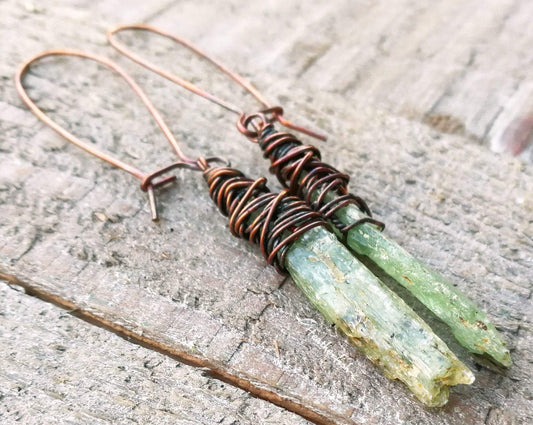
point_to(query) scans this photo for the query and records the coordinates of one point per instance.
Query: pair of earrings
(302, 231)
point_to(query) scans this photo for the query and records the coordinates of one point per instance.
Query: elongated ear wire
(148, 183)
(275, 112)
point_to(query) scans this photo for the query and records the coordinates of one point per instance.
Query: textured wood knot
(445, 123)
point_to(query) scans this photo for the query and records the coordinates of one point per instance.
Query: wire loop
(147, 179)
(122, 48)
(299, 168)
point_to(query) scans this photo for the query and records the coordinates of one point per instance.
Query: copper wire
(289, 157)
(273, 221)
(299, 168)
(122, 48)
(148, 183)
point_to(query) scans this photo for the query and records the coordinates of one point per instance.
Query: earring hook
(148, 183)
(276, 111)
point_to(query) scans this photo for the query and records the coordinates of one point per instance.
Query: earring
(298, 241)
(299, 168)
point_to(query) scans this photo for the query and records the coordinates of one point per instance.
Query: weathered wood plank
(461, 66)
(83, 232)
(58, 369)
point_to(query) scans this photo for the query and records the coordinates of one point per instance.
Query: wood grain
(57, 369)
(78, 231)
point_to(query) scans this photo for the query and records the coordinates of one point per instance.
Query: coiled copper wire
(273, 221)
(300, 169)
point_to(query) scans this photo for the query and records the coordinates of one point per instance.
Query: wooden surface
(57, 369)
(394, 88)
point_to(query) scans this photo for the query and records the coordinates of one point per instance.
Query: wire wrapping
(300, 169)
(273, 221)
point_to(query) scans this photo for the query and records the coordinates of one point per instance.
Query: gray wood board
(78, 230)
(57, 369)
(464, 67)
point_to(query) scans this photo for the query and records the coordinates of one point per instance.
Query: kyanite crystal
(373, 317)
(467, 322)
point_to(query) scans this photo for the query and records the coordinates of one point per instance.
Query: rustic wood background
(413, 96)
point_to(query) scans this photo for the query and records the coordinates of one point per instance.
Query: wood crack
(213, 370)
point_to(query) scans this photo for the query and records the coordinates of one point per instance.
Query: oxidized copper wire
(148, 184)
(298, 167)
(193, 88)
(273, 221)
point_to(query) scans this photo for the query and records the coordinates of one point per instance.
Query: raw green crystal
(467, 322)
(375, 319)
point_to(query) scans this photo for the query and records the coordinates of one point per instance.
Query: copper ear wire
(288, 156)
(148, 183)
(274, 112)
(273, 221)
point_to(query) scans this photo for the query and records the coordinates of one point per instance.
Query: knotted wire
(273, 221)
(300, 169)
